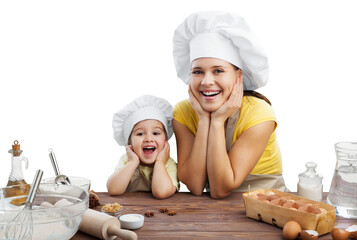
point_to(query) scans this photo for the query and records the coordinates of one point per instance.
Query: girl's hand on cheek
(164, 154)
(131, 154)
(201, 113)
(232, 104)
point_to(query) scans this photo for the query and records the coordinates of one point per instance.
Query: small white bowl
(131, 221)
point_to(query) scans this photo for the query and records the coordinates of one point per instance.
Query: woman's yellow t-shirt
(252, 112)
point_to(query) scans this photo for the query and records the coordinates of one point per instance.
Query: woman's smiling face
(212, 81)
(148, 139)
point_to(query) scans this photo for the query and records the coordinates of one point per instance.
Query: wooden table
(198, 217)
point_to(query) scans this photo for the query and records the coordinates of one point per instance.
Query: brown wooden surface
(198, 217)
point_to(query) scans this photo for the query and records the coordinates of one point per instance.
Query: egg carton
(277, 208)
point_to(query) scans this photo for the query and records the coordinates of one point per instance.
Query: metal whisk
(21, 227)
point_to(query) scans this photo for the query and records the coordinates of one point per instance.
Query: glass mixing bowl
(75, 181)
(56, 213)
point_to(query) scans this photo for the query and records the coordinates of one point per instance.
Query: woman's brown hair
(251, 92)
(256, 94)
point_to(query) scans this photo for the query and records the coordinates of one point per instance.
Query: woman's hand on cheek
(232, 104)
(195, 104)
(164, 154)
(131, 154)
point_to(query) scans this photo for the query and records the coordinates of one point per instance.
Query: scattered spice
(171, 213)
(163, 210)
(149, 214)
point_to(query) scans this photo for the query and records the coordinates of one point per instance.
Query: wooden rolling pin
(103, 226)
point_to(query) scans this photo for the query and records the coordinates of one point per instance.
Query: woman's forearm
(192, 171)
(219, 168)
(161, 186)
(227, 172)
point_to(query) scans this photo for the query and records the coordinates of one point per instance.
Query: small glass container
(16, 177)
(113, 209)
(310, 183)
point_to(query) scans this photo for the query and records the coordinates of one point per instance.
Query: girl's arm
(191, 150)
(119, 181)
(162, 186)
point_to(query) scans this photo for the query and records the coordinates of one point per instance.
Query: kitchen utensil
(81, 182)
(49, 220)
(103, 226)
(22, 227)
(60, 178)
(343, 190)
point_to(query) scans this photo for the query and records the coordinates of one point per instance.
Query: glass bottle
(16, 177)
(310, 183)
(343, 190)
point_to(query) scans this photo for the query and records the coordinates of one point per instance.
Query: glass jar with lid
(310, 183)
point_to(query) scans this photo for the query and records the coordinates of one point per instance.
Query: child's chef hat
(142, 108)
(220, 35)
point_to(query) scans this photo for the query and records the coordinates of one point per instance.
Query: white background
(67, 66)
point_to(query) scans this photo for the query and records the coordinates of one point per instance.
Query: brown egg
(291, 230)
(291, 205)
(263, 198)
(309, 235)
(278, 202)
(339, 234)
(273, 197)
(269, 193)
(288, 198)
(298, 205)
(310, 209)
(302, 202)
(353, 231)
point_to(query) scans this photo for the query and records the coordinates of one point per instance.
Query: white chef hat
(220, 35)
(143, 108)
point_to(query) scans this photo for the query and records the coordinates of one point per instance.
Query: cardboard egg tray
(277, 208)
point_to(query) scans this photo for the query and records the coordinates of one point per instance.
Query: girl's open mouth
(149, 150)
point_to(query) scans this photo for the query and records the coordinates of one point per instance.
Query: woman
(225, 132)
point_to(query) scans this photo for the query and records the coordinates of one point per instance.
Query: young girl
(225, 132)
(144, 126)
